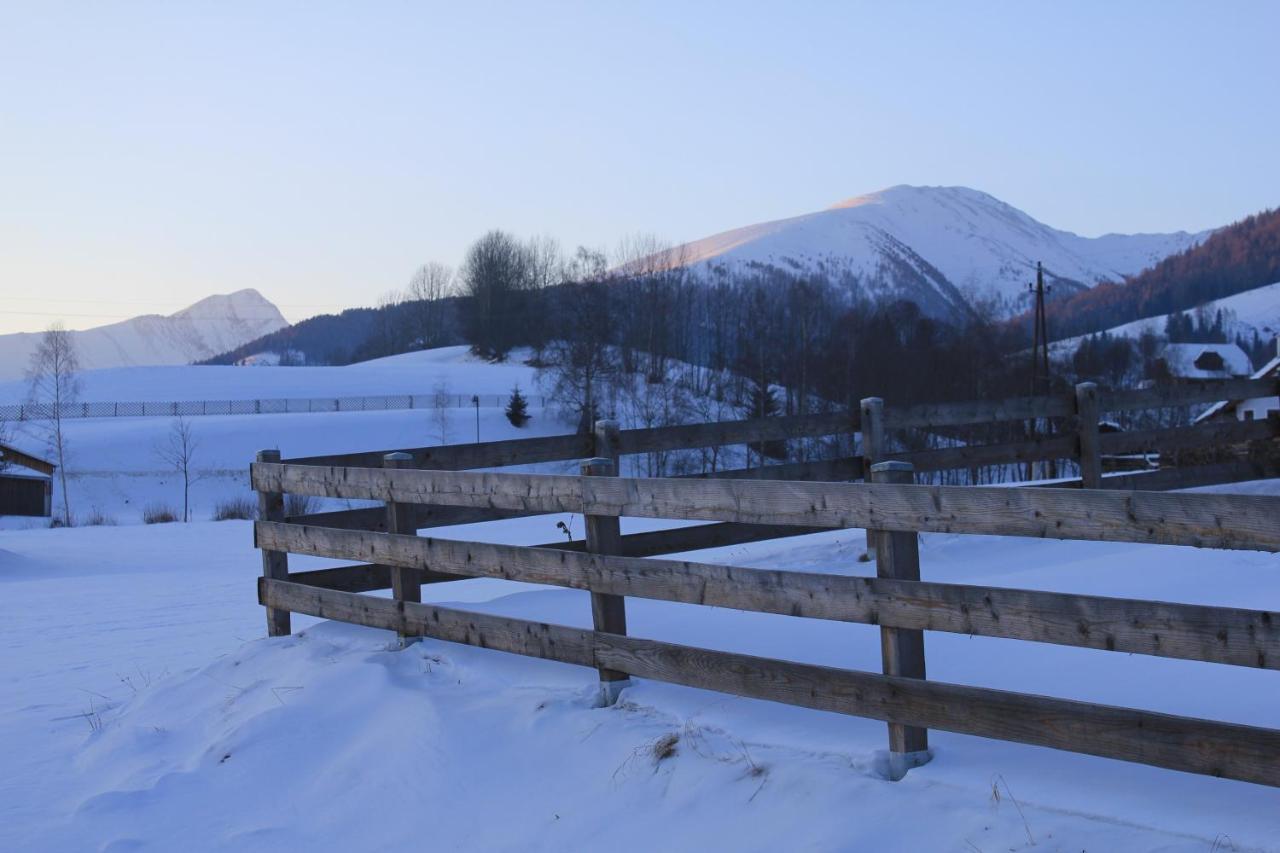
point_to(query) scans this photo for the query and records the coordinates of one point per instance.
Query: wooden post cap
(597, 466)
(892, 465)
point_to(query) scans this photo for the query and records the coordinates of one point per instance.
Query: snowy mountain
(943, 247)
(211, 326)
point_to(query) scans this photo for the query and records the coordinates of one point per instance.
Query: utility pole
(1040, 339)
(475, 400)
(1039, 361)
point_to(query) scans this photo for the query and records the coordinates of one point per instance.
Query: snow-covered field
(143, 709)
(114, 466)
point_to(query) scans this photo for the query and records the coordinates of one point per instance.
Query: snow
(148, 712)
(980, 245)
(113, 464)
(143, 709)
(209, 327)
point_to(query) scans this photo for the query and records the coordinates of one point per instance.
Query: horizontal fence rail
(273, 406)
(1220, 634)
(1203, 520)
(1063, 405)
(1228, 750)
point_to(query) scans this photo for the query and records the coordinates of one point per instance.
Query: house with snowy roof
(1253, 408)
(1199, 362)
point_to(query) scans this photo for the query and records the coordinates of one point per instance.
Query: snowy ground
(142, 709)
(114, 467)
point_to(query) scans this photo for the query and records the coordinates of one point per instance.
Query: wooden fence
(876, 424)
(896, 600)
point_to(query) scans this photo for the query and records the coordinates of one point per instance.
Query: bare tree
(178, 451)
(546, 270)
(53, 386)
(387, 331)
(440, 410)
(495, 277)
(430, 286)
(581, 364)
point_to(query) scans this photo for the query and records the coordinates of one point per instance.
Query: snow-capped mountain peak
(944, 247)
(213, 325)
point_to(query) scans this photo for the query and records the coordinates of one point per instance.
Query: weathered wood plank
(518, 636)
(1187, 394)
(1227, 750)
(365, 577)
(457, 457)
(693, 538)
(275, 564)
(1235, 471)
(1195, 632)
(1090, 450)
(1208, 434)
(901, 649)
(1202, 520)
(404, 581)
(930, 415)
(375, 517)
(688, 436)
(945, 458)
(527, 451)
(604, 537)
(830, 470)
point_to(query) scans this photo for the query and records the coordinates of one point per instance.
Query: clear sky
(154, 153)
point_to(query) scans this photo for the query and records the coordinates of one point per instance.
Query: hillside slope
(1241, 257)
(942, 247)
(1244, 314)
(208, 327)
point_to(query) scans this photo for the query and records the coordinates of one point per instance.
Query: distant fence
(280, 406)
(896, 601)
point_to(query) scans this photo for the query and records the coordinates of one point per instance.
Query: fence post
(901, 650)
(872, 449)
(1087, 424)
(404, 582)
(608, 612)
(606, 441)
(275, 564)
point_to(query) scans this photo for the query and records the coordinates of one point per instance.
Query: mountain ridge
(946, 248)
(209, 326)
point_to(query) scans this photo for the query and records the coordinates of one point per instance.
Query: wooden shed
(26, 483)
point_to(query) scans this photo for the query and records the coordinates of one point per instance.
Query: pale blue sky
(153, 153)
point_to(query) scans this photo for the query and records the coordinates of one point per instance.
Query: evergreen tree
(517, 408)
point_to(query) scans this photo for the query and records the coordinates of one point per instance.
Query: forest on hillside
(638, 328)
(1239, 257)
